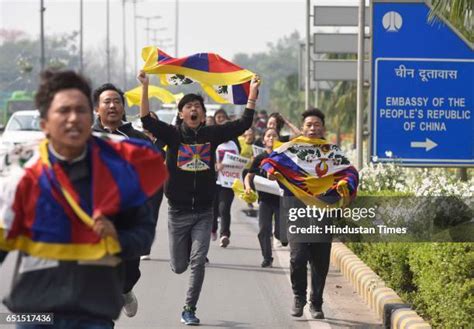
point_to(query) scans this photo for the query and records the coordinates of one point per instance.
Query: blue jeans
(70, 323)
(189, 234)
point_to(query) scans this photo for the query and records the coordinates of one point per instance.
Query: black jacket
(125, 130)
(190, 158)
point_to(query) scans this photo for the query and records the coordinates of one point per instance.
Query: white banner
(233, 167)
(265, 185)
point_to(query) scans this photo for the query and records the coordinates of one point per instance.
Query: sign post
(423, 88)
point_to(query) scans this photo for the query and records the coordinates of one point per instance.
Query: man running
(191, 187)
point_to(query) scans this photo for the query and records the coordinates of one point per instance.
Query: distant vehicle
(23, 126)
(18, 101)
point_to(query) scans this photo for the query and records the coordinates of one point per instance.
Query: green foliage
(437, 278)
(278, 68)
(20, 60)
(443, 275)
(390, 261)
(458, 13)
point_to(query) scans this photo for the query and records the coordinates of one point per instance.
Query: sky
(225, 27)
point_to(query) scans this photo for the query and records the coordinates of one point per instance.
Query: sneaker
(145, 257)
(267, 263)
(316, 312)
(277, 243)
(213, 236)
(130, 307)
(298, 306)
(224, 241)
(188, 316)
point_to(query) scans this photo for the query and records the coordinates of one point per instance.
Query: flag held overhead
(223, 81)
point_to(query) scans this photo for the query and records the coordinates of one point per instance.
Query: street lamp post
(108, 41)
(176, 29)
(155, 30)
(42, 9)
(124, 55)
(81, 36)
(148, 19)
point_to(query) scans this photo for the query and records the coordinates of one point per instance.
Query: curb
(382, 300)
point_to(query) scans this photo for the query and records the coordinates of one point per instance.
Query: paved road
(237, 292)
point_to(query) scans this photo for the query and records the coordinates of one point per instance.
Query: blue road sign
(423, 88)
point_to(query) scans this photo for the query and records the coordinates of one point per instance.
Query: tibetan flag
(133, 96)
(43, 215)
(222, 80)
(314, 171)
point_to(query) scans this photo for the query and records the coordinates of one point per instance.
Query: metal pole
(463, 174)
(108, 41)
(147, 30)
(81, 37)
(124, 58)
(176, 29)
(134, 35)
(42, 9)
(360, 84)
(308, 49)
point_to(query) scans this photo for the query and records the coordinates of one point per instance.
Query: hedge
(436, 278)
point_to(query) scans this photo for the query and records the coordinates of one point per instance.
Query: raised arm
(144, 102)
(157, 128)
(295, 131)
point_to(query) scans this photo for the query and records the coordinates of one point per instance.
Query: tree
(274, 66)
(19, 58)
(458, 13)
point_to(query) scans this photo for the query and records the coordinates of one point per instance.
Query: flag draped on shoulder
(43, 215)
(314, 171)
(133, 96)
(223, 81)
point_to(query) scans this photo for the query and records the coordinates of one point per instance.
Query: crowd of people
(199, 200)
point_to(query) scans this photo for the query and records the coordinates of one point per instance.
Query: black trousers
(132, 266)
(266, 212)
(318, 256)
(222, 203)
(132, 274)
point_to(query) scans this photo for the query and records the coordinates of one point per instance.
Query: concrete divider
(382, 300)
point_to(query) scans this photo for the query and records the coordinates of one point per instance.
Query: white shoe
(130, 307)
(224, 241)
(277, 243)
(145, 257)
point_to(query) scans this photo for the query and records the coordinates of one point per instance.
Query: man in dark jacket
(109, 105)
(190, 190)
(81, 294)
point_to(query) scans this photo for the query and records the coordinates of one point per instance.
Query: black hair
(279, 121)
(313, 112)
(223, 112)
(52, 82)
(106, 86)
(191, 98)
(267, 129)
